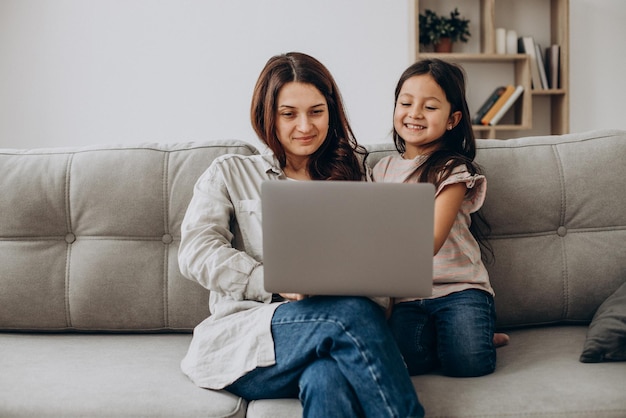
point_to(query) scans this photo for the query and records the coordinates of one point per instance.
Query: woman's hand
(294, 296)
(389, 309)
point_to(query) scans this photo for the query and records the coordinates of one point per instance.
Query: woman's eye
(287, 114)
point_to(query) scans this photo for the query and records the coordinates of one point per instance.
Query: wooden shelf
(488, 60)
(461, 56)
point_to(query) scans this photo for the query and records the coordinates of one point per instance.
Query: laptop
(348, 238)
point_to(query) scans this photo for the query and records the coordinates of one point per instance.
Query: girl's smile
(415, 127)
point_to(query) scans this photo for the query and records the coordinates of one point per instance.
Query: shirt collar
(270, 162)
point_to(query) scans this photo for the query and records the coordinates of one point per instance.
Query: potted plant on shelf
(443, 31)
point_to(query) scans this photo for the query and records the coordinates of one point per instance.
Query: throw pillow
(606, 337)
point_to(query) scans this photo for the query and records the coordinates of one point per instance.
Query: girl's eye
(405, 104)
(431, 108)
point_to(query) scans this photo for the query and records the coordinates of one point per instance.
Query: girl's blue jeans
(338, 356)
(454, 333)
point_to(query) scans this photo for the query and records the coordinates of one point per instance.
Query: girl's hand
(294, 296)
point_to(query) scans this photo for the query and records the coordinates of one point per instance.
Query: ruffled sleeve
(476, 188)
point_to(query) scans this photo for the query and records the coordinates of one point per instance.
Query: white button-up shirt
(221, 248)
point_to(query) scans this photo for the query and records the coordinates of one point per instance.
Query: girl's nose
(414, 112)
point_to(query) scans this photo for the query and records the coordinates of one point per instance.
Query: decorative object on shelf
(526, 45)
(507, 105)
(508, 92)
(491, 100)
(442, 31)
(501, 41)
(511, 42)
(543, 75)
(552, 65)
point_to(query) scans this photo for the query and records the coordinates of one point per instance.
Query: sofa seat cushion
(538, 375)
(53, 375)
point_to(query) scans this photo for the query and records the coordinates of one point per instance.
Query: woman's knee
(354, 312)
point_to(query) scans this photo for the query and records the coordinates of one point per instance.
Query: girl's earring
(449, 126)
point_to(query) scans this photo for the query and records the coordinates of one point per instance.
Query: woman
(335, 353)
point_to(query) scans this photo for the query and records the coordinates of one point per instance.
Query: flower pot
(444, 45)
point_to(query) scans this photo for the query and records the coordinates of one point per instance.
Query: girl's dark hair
(340, 157)
(458, 145)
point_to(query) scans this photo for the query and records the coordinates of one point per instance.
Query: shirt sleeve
(380, 169)
(206, 254)
(476, 187)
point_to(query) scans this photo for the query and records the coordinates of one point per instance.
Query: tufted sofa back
(89, 237)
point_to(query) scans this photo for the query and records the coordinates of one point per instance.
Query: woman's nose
(304, 123)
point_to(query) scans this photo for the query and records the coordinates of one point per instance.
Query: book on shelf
(526, 45)
(491, 100)
(541, 66)
(507, 105)
(553, 59)
(498, 104)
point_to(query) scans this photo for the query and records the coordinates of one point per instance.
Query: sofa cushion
(89, 236)
(606, 337)
(99, 375)
(538, 375)
(558, 223)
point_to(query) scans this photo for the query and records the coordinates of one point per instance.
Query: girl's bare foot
(500, 339)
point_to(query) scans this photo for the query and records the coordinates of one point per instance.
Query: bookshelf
(537, 111)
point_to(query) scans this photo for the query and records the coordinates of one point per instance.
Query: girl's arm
(447, 205)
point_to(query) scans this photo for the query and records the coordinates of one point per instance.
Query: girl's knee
(471, 364)
(476, 371)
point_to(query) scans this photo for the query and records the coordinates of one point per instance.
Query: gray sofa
(95, 316)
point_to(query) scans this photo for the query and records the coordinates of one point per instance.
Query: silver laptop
(348, 238)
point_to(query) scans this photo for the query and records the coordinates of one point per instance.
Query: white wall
(597, 64)
(78, 72)
(83, 72)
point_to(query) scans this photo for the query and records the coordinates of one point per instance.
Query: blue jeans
(454, 333)
(338, 356)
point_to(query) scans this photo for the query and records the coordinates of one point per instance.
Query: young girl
(454, 329)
